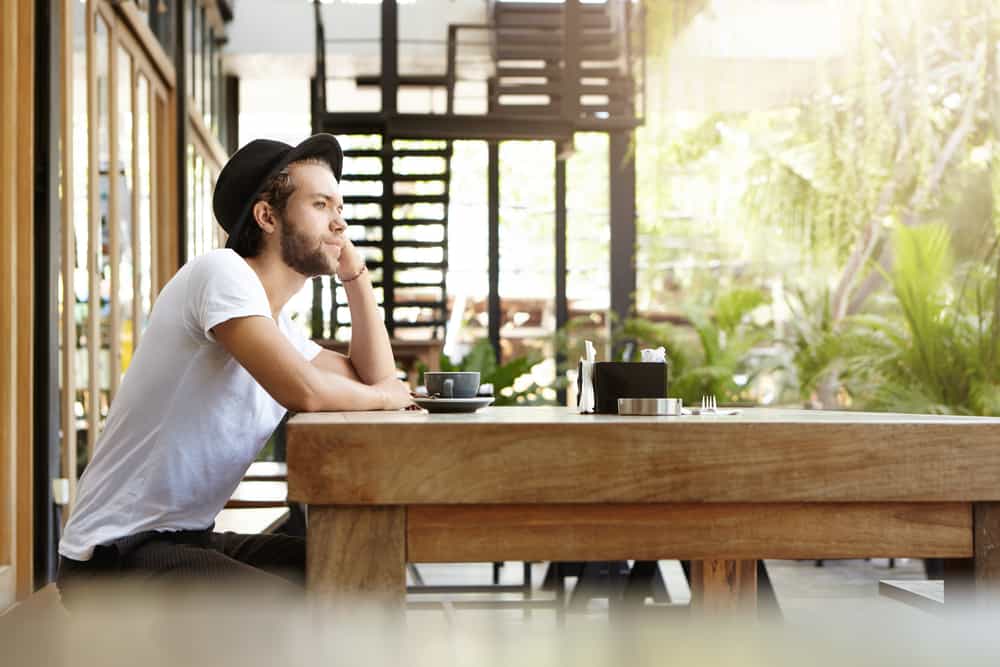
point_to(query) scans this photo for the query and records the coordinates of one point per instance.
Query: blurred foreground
(236, 627)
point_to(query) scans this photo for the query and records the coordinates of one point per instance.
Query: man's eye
(320, 204)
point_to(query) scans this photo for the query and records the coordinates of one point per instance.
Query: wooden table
(548, 484)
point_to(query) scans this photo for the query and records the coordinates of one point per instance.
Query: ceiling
(735, 55)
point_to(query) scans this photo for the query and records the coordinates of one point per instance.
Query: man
(217, 368)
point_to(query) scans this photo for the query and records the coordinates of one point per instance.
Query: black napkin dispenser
(625, 379)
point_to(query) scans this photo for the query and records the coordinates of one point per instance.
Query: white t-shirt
(188, 419)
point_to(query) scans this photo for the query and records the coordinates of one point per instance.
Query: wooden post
(724, 587)
(493, 266)
(621, 172)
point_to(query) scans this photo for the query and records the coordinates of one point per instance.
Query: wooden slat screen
(118, 222)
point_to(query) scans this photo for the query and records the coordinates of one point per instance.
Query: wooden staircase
(397, 207)
(532, 69)
(396, 196)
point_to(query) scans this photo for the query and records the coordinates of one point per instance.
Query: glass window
(197, 203)
(197, 18)
(162, 19)
(80, 229)
(190, 235)
(144, 228)
(220, 97)
(126, 262)
(210, 100)
(189, 44)
(527, 227)
(206, 207)
(100, 255)
(203, 66)
(588, 236)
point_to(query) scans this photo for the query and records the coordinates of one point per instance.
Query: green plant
(502, 376)
(716, 355)
(936, 348)
(809, 323)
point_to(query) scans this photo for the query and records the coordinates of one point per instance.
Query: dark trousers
(263, 564)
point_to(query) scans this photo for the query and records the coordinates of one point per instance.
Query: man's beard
(298, 253)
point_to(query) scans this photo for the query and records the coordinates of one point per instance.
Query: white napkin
(659, 355)
(587, 379)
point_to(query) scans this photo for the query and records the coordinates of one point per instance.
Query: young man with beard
(217, 368)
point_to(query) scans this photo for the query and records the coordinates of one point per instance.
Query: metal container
(649, 406)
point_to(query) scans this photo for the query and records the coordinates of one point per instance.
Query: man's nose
(337, 223)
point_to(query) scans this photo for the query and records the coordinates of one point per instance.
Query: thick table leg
(357, 554)
(986, 545)
(724, 587)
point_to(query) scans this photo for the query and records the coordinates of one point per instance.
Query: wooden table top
(555, 455)
(565, 416)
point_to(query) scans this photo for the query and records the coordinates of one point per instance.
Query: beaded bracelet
(344, 281)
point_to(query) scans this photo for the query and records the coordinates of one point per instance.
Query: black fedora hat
(252, 166)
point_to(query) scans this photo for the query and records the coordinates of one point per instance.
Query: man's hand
(395, 394)
(351, 261)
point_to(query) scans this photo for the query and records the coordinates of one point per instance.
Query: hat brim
(324, 146)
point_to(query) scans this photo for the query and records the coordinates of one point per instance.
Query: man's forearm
(370, 352)
(332, 392)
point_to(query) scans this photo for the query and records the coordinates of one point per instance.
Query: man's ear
(263, 215)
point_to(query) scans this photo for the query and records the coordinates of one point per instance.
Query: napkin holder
(625, 379)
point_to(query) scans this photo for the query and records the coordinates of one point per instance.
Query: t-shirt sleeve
(224, 288)
(307, 347)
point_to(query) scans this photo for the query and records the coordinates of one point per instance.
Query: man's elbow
(302, 401)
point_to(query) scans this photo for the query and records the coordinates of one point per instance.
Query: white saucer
(453, 404)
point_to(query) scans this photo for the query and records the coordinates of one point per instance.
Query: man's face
(312, 229)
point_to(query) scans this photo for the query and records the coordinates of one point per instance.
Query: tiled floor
(807, 595)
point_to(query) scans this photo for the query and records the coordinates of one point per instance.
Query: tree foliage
(935, 348)
(885, 181)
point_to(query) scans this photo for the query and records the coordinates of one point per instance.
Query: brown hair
(275, 192)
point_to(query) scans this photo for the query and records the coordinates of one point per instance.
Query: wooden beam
(165, 205)
(162, 187)
(448, 533)
(114, 213)
(68, 322)
(8, 300)
(24, 297)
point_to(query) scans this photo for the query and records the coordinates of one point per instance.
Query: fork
(708, 404)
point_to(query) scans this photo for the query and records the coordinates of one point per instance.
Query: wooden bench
(266, 471)
(925, 594)
(250, 520)
(259, 494)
